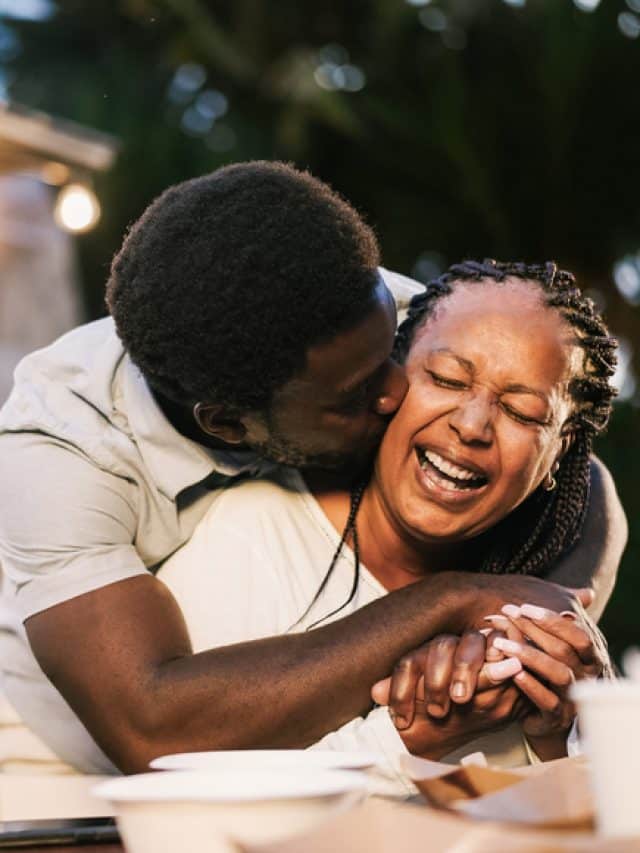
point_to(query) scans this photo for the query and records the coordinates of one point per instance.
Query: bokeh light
(586, 5)
(77, 208)
(629, 25)
(626, 274)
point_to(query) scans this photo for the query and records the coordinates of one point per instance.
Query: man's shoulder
(67, 390)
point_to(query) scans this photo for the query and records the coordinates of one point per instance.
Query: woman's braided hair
(547, 524)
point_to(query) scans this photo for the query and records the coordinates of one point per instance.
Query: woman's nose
(393, 390)
(473, 419)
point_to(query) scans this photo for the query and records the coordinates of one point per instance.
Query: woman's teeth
(448, 475)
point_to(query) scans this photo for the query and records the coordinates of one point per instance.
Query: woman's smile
(448, 482)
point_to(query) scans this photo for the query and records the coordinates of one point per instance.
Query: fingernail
(458, 690)
(569, 614)
(435, 710)
(511, 611)
(399, 721)
(503, 669)
(493, 653)
(507, 645)
(531, 611)
(485, 631)
(498, 621)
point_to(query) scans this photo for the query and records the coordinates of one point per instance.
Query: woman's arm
(596, 556)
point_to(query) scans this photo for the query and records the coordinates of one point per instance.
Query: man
(252, 324)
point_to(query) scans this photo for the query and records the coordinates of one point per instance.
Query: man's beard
(284, 452)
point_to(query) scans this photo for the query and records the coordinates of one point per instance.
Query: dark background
(457, 127)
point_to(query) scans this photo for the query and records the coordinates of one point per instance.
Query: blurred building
(45, 196)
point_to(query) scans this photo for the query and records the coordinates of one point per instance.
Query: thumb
(585, 595)
(380, 691)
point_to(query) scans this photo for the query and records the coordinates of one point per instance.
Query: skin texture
(141, 692)
(494, 401)
(332, 414)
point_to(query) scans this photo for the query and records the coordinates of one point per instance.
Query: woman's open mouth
(447, 475)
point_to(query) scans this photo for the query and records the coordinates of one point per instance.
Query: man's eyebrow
(359, 385)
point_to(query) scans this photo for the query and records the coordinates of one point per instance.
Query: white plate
(267, 759)
(232, 786)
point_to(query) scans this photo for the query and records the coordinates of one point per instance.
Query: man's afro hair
(227, 279)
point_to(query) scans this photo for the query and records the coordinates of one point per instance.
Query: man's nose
(472, 419)
(393, 390)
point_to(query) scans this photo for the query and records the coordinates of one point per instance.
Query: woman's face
(481, 425)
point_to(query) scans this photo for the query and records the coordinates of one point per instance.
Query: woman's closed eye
(448, 381)
(520, 417)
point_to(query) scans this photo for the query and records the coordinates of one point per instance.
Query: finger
(498, 672)
(437, 674)
(467, 663)
(558, 634)
(380, 691)
(544, 699)
(585, 595)
(402, 692)
(538, 662)
(553, 646)
(493, 654)
(502, 623)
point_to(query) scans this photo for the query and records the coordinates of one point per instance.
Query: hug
(235, 507)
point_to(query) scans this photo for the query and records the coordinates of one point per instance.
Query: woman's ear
(215, 421)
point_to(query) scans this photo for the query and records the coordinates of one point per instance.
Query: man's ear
(215, 420)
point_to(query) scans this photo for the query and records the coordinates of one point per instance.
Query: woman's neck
(394, 557)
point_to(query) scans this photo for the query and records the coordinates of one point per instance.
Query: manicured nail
(569, 614)
(485, 631)
(503, 669)
(531, 611)
(511, 611)
(458, 690)
(507, 646)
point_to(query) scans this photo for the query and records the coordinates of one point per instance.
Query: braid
(349, 529)
(547, 524)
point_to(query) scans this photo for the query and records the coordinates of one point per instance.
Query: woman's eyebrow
(516, 388)
(468, 365)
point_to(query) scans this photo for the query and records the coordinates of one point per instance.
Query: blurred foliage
(483, 128)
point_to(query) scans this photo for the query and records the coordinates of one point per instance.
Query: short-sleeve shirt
(96, 486)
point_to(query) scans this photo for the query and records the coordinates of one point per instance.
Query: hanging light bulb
(77, 208)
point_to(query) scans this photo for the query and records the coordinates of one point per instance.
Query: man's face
(332, 413)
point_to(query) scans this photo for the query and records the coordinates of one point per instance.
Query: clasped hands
(519, 667)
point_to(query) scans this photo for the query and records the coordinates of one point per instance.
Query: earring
(549, 483)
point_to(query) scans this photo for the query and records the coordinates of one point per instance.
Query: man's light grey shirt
(96, 486)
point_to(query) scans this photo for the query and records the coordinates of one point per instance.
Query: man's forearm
(140, 691)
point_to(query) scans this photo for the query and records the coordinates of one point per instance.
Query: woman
(483, 469)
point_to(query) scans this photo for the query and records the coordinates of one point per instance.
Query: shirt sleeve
(374, 733)
(66, 527)
(402, 288)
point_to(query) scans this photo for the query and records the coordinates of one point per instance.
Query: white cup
(609, 717)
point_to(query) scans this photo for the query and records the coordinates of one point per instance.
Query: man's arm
(595, 559)
(121, 657)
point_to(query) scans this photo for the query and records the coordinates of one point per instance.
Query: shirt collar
(175, 462)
